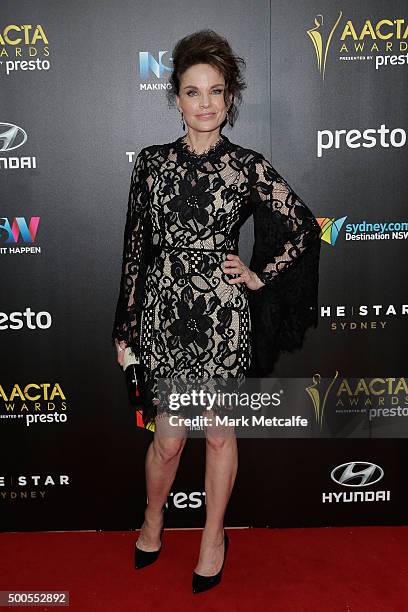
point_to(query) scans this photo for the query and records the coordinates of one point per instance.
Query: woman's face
(201, 98)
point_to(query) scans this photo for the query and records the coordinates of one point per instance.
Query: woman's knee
(219, 441)
(168, 448)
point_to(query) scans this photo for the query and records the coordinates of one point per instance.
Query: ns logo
(148, 63)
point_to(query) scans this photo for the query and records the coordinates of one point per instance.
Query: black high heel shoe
(203, 583)
(144, 557)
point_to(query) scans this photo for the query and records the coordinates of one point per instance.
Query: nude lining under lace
(214, 147)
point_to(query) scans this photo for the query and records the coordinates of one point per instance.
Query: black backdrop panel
(76, 106)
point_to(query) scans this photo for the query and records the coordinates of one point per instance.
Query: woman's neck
(200, 143)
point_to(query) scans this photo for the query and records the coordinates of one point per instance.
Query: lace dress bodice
(185, 211)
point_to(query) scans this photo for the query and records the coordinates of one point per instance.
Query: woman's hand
(234, 265)
(120, 349)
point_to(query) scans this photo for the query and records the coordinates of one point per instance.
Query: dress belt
(158, 248)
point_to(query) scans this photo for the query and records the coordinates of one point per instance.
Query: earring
(182, 122)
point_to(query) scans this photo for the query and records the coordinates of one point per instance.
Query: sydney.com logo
(364, 230)
(382, 41)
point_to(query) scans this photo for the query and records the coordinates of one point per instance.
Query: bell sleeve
(127, 318)
(285, 257)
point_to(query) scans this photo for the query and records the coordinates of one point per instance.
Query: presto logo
(354, 139)
(27, 319)
(182, 500)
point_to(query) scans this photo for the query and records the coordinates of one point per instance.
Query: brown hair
(208, 47)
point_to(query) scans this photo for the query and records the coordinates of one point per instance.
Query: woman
(188, 305)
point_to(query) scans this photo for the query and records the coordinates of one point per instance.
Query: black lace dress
(176, 308)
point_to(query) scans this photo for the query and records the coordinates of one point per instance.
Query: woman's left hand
(234, 265)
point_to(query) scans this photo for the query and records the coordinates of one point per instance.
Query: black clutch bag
(134, 381)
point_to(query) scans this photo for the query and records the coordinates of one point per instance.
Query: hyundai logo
(11, 136)
(357, 474)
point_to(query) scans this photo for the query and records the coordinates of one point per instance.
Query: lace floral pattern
(176, 308)
(280, 214)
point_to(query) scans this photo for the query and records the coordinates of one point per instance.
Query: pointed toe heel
(204, 583)
(144, 558)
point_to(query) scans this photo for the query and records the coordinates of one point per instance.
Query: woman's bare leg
(220, 473)
(162, 460)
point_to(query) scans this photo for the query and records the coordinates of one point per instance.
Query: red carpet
(359, 569)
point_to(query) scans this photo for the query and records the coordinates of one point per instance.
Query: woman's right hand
(120, 350)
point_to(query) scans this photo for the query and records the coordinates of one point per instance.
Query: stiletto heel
(203, 583)
(144, 557)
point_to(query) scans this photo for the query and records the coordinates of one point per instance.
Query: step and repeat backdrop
(83, 89)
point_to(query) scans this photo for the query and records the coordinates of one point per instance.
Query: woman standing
(188, 305)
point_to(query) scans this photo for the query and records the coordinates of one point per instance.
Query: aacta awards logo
(360, 40)
(321, 46)
(23, 48)
(319, 396)
(33, 403)
(369, 398)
